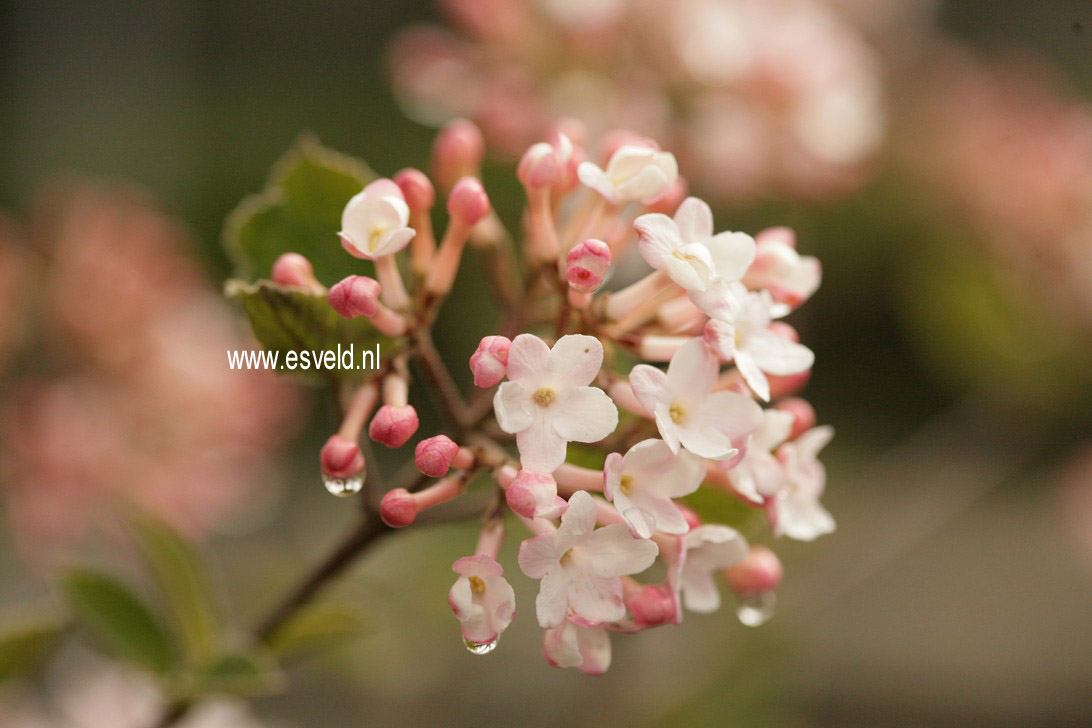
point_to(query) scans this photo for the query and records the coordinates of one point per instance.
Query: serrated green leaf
(299, 211)
(25, 645)
(184, 581)
(117, 620)
(288, 319)
(316, 627)
(241, 674)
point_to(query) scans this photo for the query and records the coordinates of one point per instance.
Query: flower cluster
(621, 274)
(757, 95)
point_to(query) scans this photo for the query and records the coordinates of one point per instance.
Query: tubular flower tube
(686, 348)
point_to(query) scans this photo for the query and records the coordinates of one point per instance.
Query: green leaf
(243, 674)
(317, 627)
(182, 578)
(287, 319)
(299, 211)
(25, 645)
(115, 618)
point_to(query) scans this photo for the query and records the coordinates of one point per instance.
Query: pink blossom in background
(125, 396)
(757, 97)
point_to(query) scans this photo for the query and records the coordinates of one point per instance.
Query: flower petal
(752, 375)
(552, 601)
(597, 599)
(732, 254)
(578, 520)
(513, 407)
(527, 359)
(694, 220)
(585, 414)
(650, 386)
(692, 372)
(574, 361)
(541, 447)
(614, 552)
(538, 554)
(777, 355)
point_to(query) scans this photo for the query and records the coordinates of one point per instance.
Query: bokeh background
(957, 587)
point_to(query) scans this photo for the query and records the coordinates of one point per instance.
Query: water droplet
(481, 648)
(343, 487)
(756, 609)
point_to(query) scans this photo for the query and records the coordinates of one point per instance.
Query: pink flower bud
(457, 152)
(398, 508)
(803, 415)
(534, 495)
(355, 296)
(619, 138)
(341, 457)
(693, 520)
(651, 606)
(292, 269)
(539, 167)
(587, 264)
(393, 426)
(468, 202)
(760, 571)
(433, 456)
(490, 361)
(416, 188)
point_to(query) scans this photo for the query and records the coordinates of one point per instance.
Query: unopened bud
(534, 495)
(587, 264)
(292, 269)
(468, 202)
(457, 152)
(341, 457)
(759, 571)
(433, 456)
(355, 296)
(489, 362)
(393, 426)
(398, 508)
(416, 188)
(651, 606)
(539, 167)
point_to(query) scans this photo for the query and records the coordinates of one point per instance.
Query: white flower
(747, 340)
(374, 221)
(580, 567)
(708, 549)
(789, 277)
(758, 474)
(481, 598)
(687, 411)
(547, 402)
(634, 173)
(642, 483)
(796, 511)
(572, 645)
(687, 249)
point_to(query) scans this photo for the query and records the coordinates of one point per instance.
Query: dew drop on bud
(343, 487)
(481, 648)
(756, 609)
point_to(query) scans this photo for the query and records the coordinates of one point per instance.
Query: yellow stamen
(476, 584)
(567, 557)
(544, 397)
(677, 412)
(626, 484)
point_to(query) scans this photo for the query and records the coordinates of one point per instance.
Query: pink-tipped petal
(587, 264)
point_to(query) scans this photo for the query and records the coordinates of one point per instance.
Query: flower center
(677, 412)
(626, 484)
(544, 397)
(567, 557)
(476, 584)
(377, 233)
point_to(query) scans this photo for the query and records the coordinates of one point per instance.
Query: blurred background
(936, 157)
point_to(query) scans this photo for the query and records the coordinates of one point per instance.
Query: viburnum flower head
(580, 566)
(635, 173)
(642, 483)
(374, 222)
(481, 598)
(546, 403)
(687, 411)
(796, 511)
(686, 248)
(708, 549)
(746, 339)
